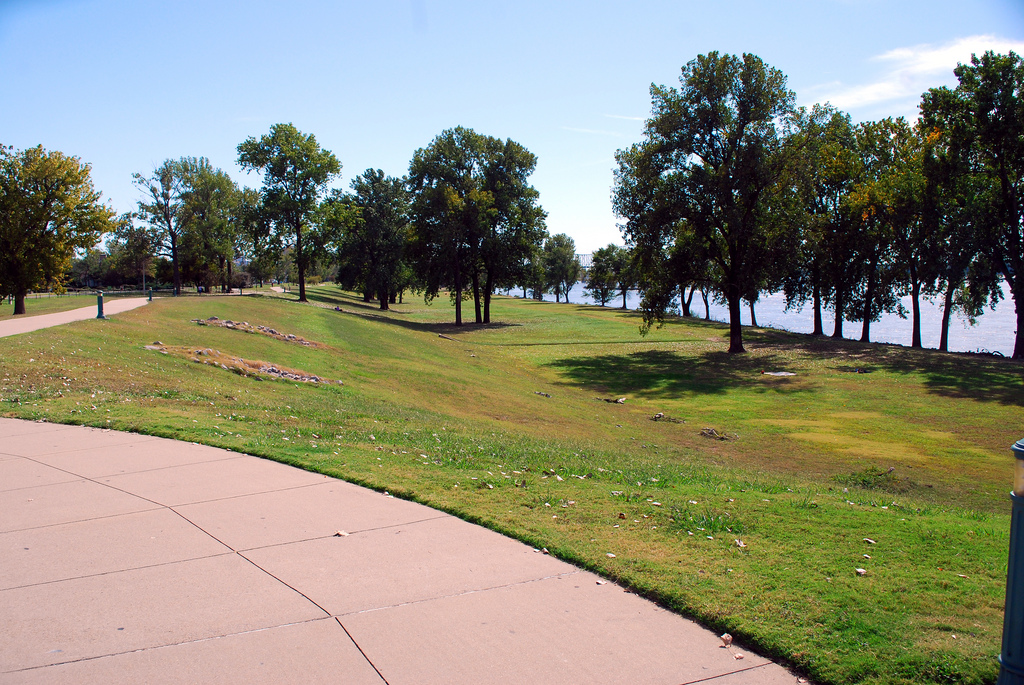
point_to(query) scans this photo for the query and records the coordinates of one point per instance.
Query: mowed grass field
(35, 306)
(870, 457)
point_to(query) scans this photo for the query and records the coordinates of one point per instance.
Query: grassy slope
(457, 423)
(34, 306)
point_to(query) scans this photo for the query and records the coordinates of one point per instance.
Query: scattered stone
(862, 572)
(246, 327)
(715, 435)
(726, 639)
(542, 394)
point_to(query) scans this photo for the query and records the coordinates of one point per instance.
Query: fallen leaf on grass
(862, 572)
(869, 541)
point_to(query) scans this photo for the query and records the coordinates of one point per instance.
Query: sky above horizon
(125, 85)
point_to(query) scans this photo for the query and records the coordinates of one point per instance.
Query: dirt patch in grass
(250, 368)
(246, 327)
(874, 478)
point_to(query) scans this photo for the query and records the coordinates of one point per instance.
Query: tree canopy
(475, 218)
(296, 172)
(48, 209)
(714, 152)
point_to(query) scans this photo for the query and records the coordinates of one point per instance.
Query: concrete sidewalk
(128, 559)
(26, 324)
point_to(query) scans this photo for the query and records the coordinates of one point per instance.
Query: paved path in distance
(126, 558)
(26, 324)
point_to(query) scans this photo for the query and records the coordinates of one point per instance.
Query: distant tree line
(735, 191)
(465, 221)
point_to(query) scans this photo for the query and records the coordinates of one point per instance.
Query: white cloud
(908, 72)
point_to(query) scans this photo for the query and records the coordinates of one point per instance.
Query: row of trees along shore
(464, 220)
(733, 192)
(736, 190)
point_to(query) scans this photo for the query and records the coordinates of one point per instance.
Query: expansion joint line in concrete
(164, 646)
(462, 594)
(365, 656)
(711, 679)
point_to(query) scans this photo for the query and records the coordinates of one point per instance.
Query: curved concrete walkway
(128, 558)
(26, 324)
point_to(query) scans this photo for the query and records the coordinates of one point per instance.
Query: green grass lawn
(34, 306)
(759, 534)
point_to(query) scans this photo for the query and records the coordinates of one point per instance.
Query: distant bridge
(585, 260)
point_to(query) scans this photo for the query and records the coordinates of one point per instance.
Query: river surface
(993, 332)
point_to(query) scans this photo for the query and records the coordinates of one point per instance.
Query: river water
(993, 332)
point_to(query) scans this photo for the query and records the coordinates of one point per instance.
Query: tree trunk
(735, 329)
(458, 291)
(915, 338)
(174, 263)
(707, 305)
(367, 296)
(624, 293)
(753, 317)
(1018, 305)
(837, 332)
(488, 286)
(476, 297)
(947, 309)
(300, 262)
(383, 297)
(689, 301)
(869, 296)
(19, 303)
(818, 325)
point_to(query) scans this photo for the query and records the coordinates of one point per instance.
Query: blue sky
(126, 84)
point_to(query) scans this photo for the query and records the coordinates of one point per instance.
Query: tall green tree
(824, 173)
(209, 199)
(475, 217)
(517, 224)
(258, 243)
(48, 209)
(296, 172)
(375, 234)
(600, 276)
(879, 214)
(132, 250)
(714, 151)
(990, 100)
(954, 195)
(160, 209)
(561, 265)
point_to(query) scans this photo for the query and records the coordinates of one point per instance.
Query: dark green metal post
(99, 305)
(1011, 660)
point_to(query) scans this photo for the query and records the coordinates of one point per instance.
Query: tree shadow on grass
(960, 375)
(661, 373)
(372, 312)
(956, 375)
